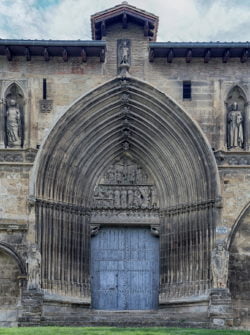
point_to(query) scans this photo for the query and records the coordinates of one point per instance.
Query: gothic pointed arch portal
(126, 116)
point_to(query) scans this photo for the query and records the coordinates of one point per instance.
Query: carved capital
(155, 230)
(31, 201)
(94, 229)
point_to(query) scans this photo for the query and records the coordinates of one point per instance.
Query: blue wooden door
(124, 269)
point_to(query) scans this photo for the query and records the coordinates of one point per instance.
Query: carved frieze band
(232, 158)
(125, 185)
(18, 155)
(67, 207)
(190, 207)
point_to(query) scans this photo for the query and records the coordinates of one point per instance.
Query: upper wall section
(125, 14)
(133, 117)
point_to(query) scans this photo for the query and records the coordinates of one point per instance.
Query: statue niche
(123, 56)
(236, 103)
(125, 185)
(13, 117)
(219, 265)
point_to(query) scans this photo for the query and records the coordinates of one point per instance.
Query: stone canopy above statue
(124, 13)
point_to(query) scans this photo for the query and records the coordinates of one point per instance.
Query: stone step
(130, 323)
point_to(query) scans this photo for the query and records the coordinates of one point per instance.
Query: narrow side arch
(236, 225)
(6, 248)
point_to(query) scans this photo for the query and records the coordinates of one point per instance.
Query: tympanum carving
(125, 185)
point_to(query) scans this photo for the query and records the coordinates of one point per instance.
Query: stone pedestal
(32, 302)
(220, 308)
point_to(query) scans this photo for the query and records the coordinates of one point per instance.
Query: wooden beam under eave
(244, 56)
(146, 28)
(207, 56)
(27, 54)
(189, 55)
(170, 56)
(8, 54)
(124, 21)
(226, 56)
(46, 54)
(83, 55)
(65, 55)
(102, 55)
(103, 28)
(151, 55)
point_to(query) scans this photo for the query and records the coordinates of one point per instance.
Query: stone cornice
(232, 159)
(67, 207)
(17, 156)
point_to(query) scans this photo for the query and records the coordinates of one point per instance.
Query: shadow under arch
(6, 248)
(239, 265)
(236, 225)
(164, 139)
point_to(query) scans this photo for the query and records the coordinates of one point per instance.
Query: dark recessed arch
(163, 139)
(6, 248)
(239, 264)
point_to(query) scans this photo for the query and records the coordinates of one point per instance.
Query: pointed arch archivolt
(163, 138)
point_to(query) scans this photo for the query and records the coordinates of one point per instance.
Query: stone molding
(232, 158)
(189, 207)
(17, 156)
(68, 207)
(13, 227)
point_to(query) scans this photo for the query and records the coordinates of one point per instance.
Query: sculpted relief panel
(125, 185)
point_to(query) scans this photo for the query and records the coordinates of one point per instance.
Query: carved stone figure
(33, 268)
(13, 112)
(124, 52)
(235, 127)
(130, 198)
(123, 56)
(124, 198)
(13, 124)
(219, 264)
(117, 200)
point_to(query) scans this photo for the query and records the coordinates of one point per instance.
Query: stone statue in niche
(14, 118)
(235, 121)
(219, 265)
(124, 53)
(13, 124)
(33, 268)
(123, 56)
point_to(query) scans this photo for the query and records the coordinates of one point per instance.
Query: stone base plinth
(220, 308)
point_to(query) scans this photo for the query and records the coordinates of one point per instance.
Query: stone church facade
(125, 178)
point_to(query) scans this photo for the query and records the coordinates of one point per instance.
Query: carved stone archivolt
(170, 149)
(125, 185)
